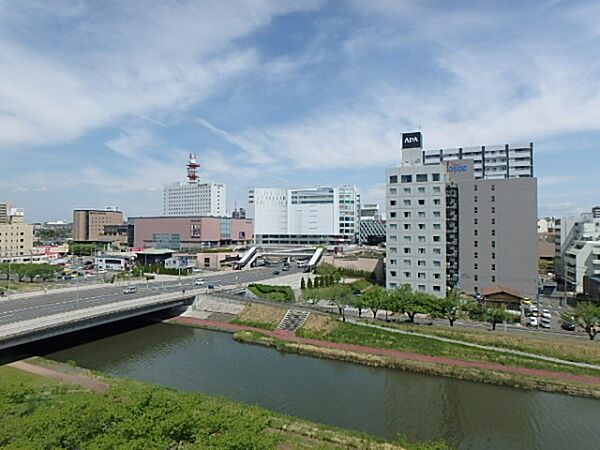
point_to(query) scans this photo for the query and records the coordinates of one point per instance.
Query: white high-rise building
(320, 215)
(192, 198)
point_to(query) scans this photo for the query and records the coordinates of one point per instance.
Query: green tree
(450, 307)
(587, 316)
(375, 299)
(496, 315)
(309, 284)
(358, 302)
(413, 303)
(302, 284)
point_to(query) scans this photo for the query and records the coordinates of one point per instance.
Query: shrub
(283, 294)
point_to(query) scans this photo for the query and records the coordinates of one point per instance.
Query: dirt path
(70, 378)
(290, 337)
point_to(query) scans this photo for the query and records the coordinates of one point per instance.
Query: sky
(102, 101)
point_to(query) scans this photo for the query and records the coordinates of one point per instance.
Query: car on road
(285, 268)
(532, 322)
(276, 272)
(101, 271)
(546, 314)
(196, 269)
(130, 290)
(199, 282)
(568, 326)
(545, 323)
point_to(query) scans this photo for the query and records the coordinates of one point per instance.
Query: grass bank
(283, 294)
(462, 373)
(258, 315)
(43, 413)
(567, 348)
(355, 334)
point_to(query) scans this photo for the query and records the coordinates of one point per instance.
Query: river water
(378, 401)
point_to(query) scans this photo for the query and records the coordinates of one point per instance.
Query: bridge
(311, 254)
(30, 330)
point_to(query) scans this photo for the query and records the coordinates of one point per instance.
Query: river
(378, 401)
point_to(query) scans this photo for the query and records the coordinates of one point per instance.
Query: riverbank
(44, 412)
(575, 384)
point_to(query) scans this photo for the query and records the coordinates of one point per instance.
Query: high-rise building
(89, 225)
(192, 198)
(452, 223)
(370, 211)
(319, 215)
(596, 212)
(16, 236)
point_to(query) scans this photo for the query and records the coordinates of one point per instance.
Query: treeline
(29, 271)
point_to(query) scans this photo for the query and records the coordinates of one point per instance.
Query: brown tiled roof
(496, 289)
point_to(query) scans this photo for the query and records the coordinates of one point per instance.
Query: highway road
(14, 310)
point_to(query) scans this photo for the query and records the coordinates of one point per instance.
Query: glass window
(421, 201)
(435, 176)
(393, 179)
(406, 178)
(407, 274)
(421, 177)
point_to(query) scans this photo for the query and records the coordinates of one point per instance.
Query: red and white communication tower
(192, 168)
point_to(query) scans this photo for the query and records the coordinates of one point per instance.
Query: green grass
(261, 325)
(356, 334)
(283, 294)
(360, 285)
(36, 414)
(566, 348)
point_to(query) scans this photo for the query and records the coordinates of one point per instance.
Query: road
(16, 310)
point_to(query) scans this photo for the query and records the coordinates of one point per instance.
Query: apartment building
(89, 225)
(16, 236)
(317, 215)
(452, 223)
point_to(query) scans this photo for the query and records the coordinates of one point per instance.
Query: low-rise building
(89, 225)
(16, 236)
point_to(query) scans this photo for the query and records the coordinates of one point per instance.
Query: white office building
(192, 198)
(318, 215)
(577, 249)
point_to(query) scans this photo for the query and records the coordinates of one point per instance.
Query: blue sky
(100, 102)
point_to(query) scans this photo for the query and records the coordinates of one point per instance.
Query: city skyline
(101, 106)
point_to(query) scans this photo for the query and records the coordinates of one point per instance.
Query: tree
(587, 316)
(375, 299)
(450, 307)
(413, 303)
(340, 295)
(358, 302)
(302, 284)
(496, 315)
(309, 284)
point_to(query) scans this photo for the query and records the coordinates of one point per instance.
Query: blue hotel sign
(457, 168)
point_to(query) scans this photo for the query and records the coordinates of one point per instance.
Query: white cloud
(133, 142)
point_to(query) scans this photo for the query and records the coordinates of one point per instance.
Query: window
(493, 232)
(437, 201)
(493, 255)
(421, 190)
(421, 238)
(436, 239)
(407, 214)
(475, 232)
(393, 249)
(475, 210)
(476, 243)
(421, 287)
(421, 177)
(392, 202)
(475, 220)
(437, 263)
(421, 226)
(406, 262)
(437, 276)
(436, 189)
(437, 226)
(493, 209)
(406, 202)
(493, 244)
(436, 214)
(493, 266)
(393, 237)
(475, 188)
(407, 190)
(475, 278)
(393, 273)
(421, 275)
(475, 199)
(393, 226)
(393, 179)
(393, 262)
(493, 187)
(393, 214)
(475, 255)
(493, 221)
(435, 177)
(475, 266)
(493, 278)
(437, 251)
(421, 263)
(406, 250)
(421, 202)
(406, 238)
(421, 251)
(493, 198)
(393, 191)
(406, 178)
(436, 289)
(407, 226)
(421, 214)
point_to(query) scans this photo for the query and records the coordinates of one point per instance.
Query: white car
(130, 290)
(545, 323)
(532, 322)
(199, 282)
(196, 269)
(546, 314)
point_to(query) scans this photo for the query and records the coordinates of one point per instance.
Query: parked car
(285, 268)
(276, 272)
(210, 286)
(196, 269)
(130, 290)
(199, 282)
(544, 322)
(568, 326)
(546, 314)
(532, 322)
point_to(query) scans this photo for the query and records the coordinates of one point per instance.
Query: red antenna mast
(192, 168)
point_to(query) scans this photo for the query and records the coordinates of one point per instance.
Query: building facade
(16, 236)
(454, 221)
(320, 215)
(89, 224)
(186, 233)
(577, 250)
(192, 198)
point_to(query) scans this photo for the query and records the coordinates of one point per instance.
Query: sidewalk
(290, 337)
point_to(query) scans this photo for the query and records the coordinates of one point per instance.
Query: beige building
(16, 236)
(89, 224)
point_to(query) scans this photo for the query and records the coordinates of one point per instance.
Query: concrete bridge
(30, 330)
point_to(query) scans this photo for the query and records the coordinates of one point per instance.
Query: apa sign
(411, 140)
(457, 168)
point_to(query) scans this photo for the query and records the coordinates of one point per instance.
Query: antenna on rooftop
(192, 169)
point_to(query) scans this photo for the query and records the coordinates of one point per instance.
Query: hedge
(283, 294)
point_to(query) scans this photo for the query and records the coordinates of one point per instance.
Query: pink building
(190, 232)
